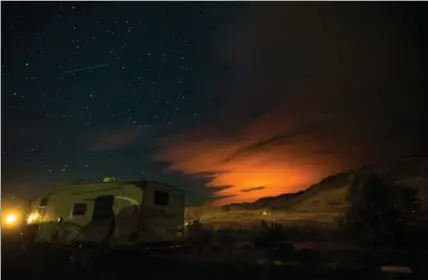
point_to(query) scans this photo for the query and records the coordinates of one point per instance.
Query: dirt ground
(224, 264)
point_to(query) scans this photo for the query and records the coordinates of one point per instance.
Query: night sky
(243, 100)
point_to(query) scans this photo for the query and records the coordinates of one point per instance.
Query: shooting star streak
(87, 68)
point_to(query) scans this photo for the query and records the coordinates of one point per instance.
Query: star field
(229, 101)
(81, 80)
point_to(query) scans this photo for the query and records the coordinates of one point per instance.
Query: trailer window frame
(44, 202)
(79, 212)
(161, 198)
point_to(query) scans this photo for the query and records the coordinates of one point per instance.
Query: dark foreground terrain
(17, 264)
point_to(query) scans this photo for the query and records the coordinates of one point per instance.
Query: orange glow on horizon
(285, 126)
(276, 169)
(250, 183)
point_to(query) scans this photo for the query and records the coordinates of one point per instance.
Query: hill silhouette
(328, 198)
(331, 191)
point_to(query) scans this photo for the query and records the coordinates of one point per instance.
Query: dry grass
(315, 208)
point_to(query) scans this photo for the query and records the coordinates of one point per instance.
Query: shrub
(270, 234)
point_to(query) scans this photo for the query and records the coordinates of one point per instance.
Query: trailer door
(103, 208)
(101, 228)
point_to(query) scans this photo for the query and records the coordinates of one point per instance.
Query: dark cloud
(27, 128)
(112, 139)
(252, 189)
(311, 90)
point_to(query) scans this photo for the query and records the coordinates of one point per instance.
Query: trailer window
(103, 208)
(44, 202)
(161, 198)
(79, 209)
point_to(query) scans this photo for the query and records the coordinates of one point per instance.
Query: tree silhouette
(380, 209)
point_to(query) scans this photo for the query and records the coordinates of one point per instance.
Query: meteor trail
(87, 68)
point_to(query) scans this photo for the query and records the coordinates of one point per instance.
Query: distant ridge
(332, 190)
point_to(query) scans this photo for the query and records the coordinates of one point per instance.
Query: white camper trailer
(120, 213)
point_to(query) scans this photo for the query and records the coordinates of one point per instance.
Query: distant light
(266, 213)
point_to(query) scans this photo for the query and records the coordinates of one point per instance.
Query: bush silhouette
(270, 234)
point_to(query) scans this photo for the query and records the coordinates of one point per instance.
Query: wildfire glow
(298, 109)
(243, 177)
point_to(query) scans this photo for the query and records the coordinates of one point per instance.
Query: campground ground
(222, 263)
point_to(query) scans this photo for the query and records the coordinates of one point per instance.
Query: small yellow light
(11, 219)
(266, 213)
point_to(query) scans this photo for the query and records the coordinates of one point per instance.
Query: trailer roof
(138, 183)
